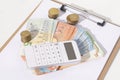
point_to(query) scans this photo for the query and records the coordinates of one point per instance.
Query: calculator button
(36, 54)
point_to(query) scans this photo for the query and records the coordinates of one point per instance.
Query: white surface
(13, 68)
(12, 14)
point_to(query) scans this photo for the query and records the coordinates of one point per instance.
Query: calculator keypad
(47, 54)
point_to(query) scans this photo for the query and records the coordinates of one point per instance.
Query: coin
(72, 19)
(53, 13)
(25, 36)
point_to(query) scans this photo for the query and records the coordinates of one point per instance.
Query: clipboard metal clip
(65, 7)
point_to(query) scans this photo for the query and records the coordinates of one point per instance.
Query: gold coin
(25, 36)
(53, 13)
(72, 19)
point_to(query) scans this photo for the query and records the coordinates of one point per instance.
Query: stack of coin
(25, 36)
(53, 13)
(72, 19)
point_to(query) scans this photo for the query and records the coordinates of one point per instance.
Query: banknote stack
(42, 30)
(49, 30)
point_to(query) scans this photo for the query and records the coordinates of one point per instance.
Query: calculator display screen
(69, 50)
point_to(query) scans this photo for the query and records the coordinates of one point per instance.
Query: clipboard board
(99, 25)
(105, 19)
(112, 55)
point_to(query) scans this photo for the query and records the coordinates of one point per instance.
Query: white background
(106, 7)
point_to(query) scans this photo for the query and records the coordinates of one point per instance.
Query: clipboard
(98, 24)
(105, 20)
(112, 55)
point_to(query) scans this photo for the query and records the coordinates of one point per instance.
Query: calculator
(52, 54)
